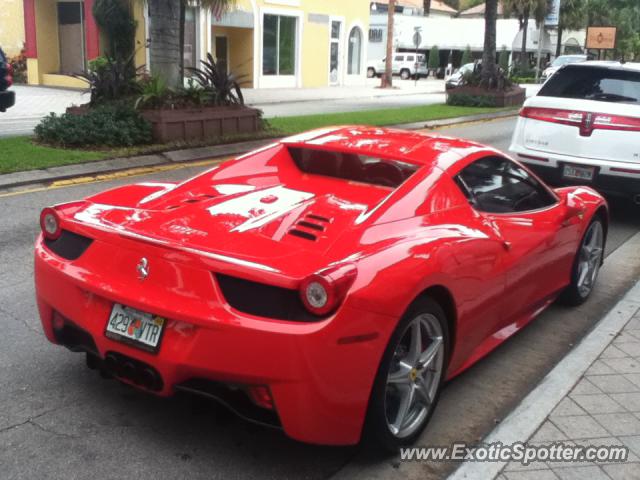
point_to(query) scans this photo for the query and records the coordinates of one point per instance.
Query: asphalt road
(60, 420)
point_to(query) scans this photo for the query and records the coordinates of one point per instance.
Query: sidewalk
(591, 398)
(33, 103)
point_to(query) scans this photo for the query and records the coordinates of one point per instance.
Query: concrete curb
(53, 174)
(533, 410)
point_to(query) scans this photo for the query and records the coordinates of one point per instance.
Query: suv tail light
(587, 122)
(322, 292)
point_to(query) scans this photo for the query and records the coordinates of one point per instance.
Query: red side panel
(92, 35)
(31, 48)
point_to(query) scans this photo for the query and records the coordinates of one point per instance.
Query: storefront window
(279, 45)
(190, 39)
(355, 51)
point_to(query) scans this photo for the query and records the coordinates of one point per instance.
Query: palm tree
(387, 76)
(166, 35)
(524, 9)
(426, 5)
(489, 69)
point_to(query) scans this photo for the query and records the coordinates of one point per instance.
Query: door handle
(506, 245)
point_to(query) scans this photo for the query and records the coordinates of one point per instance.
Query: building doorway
(335, 63)
(71, 37)
(222, 53)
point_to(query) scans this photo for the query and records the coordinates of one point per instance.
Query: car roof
(610, 64)
(389, 143)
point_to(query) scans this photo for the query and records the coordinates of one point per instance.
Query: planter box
(200, 123)
(515, 96)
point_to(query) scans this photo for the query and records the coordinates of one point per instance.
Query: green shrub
(503, 59)
(112, 126)
(519, 80)
(466, 100)
(466, 56)
(434, 58)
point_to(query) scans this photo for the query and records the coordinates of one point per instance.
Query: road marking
(104, 177)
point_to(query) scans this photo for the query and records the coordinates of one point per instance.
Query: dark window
(497, 185)
(375, 35)
(594, 83)
(353, 167)
(279, 45)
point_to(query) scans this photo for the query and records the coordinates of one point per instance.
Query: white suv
(583, 127)
(404, 64)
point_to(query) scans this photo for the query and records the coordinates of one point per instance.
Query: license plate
(139, 329)
(578, 173)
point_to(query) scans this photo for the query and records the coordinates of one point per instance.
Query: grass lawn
(391, 116)
(20, 153)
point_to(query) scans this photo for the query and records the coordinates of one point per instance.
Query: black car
(7, 98)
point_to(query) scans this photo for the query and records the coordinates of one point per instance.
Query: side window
(497, 185)
(399, 58)
(411, 58)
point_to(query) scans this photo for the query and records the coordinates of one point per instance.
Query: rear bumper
(320, 383)
(7, 99)
(613, 178)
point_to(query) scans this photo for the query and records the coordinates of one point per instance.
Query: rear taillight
(322, 292)
(50, 223)
(616, 122)
(587, 122)
(565, 117)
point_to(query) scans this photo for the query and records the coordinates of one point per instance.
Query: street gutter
(47, 176)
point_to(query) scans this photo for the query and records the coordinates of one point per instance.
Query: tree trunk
(426, 5)
(489, 53)
(164, 40)
(524, 57)
(387, 78)
(559, 43)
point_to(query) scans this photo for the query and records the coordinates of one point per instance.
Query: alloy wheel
(414, 376)
(590, 258)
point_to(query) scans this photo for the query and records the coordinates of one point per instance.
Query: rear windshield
(352, 167)
(594, 83)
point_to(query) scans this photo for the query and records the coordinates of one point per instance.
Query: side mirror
(574, 209)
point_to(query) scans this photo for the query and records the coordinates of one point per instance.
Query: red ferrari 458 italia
(327, 284)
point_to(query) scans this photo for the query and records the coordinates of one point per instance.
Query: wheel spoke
(403, 408)
(583, 270)
(400, 376)
(430, 353)
(415, 348)
(422, 392)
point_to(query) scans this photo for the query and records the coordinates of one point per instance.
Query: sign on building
(601, 38)
(553, 17)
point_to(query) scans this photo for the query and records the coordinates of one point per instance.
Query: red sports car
(326, 284)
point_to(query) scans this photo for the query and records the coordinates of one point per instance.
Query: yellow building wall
(11, 26)
(47, 38)
(316, 37)
(315, 55)
(240, 41)
(141, 39)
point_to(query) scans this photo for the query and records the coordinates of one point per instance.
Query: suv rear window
(594, 83)
(352, 167)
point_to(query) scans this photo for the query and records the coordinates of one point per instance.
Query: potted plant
(211, 105)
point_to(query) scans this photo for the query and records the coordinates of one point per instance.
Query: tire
(384, 429)
(581, 288)
(371, 73)
(405, 74)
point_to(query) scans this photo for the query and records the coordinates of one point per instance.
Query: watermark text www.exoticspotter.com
(517, 452)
